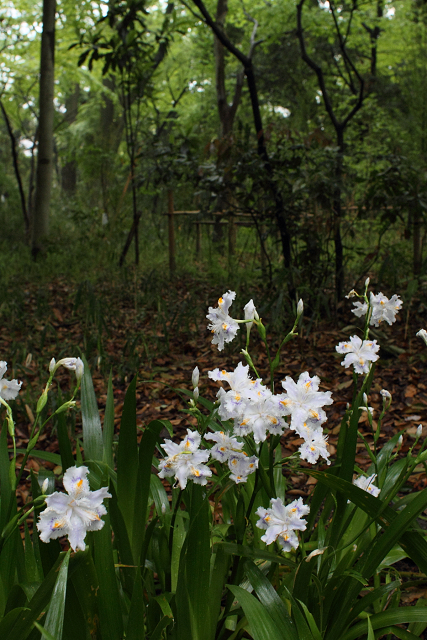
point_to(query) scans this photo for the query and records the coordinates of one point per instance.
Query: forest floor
(164, 353)
(163, 346)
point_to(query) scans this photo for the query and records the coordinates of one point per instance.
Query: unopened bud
(300, 308)
(419, 432)
(163, 509)
(10, 425)
(365, 399)
(42, 401)
(400, 441)
(250, 314)
(46, 484)
(367, 281)
(67, 405)
(196, 393)
(68, 363)
(247, 357)
(422, 333)
(52, 364)
(195, 377)
(80, 367)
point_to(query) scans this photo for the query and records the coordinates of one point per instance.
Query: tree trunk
(112, 125)
(337, 211)
(40, 222)
(17, 171)
(339, 126)
(226, 112)
(69, 170)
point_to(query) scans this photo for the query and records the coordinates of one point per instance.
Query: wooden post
(262, 249)
(172, 263)
(198, 241)
(231, 240)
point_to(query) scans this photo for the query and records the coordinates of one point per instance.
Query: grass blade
(194, 571)
(108, 431)
(146, 450)
(271, 600)
(55, 614)
(387, 618)
(127, 458)
(92, 431)
(260, 622)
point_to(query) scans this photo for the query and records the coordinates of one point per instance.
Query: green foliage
(144, 77)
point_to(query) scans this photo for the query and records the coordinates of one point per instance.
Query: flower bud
(250, 314)
(67, 405)
(367, 281)
(385, 394)
(79, 369)
(45, 485)
(300, 308)
(195, 377)
(365, 399)
(42, 401)
(196, 393)
(10, 424)
(68, 363)
(419, 432)
(400, 441)
(52, 365)
(422, 333)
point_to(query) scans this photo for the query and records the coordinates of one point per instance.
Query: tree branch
(16, 169)
(317, 70)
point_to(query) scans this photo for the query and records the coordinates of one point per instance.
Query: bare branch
(222, 37)
(347, 60)
(317, 70)
(16, 168)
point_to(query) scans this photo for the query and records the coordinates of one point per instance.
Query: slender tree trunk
(226, 114)
(69, 169)
(226, 110)
(40, 222)
(354, 78)
(337, 210)
(17, 172)
(30, 196)
(279, 209)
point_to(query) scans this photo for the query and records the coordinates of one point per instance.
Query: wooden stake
(198, 241)
(172, 262)
(231, 239)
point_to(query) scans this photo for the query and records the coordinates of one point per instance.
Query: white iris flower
(185, 461)
(281, 522)
(74, 514)
(303, 400)
(365, 483)
(9, 389)
(241, 466)
(382, 308)
(222, 325)
(225, 445)
(359, 354)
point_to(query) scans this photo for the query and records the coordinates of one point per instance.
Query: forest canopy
(298, 127)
